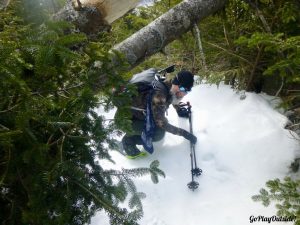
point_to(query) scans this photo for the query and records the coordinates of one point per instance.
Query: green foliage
(286, 193)
(258, 40)
(155, 171)
(285, 65)
(252, 46)
(50, 135)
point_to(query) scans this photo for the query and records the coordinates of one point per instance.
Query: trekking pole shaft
(192, 145)
(190, 121)
(194, 152)
(195, 169)
(192, 166)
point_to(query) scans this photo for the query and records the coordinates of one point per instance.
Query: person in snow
(170, 92)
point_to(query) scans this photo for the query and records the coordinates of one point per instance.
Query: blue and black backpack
(149, 81)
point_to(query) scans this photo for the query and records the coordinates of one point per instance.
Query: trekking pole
(195, 171)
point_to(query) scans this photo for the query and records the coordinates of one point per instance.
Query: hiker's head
(182, 84)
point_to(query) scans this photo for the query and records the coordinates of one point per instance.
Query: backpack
(147, 82)
(151, 79)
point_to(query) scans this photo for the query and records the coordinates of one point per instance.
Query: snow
(241, 144)
(146, 2)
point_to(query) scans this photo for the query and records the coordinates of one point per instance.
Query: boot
(129, 145)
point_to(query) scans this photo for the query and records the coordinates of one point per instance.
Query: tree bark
(198, 39)
(4, 3)
(111, 9)
(168, 27)
(94, 16)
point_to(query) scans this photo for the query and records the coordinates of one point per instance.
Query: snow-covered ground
(146, 2)
(241, 144)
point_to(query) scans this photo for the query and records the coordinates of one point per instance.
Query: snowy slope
(241, 145)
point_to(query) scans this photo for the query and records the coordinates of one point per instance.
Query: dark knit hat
(185, 79)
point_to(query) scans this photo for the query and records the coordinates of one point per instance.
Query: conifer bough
(165, 29)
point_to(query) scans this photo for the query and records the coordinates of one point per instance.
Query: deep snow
(241, 144)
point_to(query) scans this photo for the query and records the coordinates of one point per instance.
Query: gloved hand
(192, 138)
(183, 110)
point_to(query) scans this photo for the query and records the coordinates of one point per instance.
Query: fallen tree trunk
(165, 29)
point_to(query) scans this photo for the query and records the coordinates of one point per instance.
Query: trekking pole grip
(189, 106)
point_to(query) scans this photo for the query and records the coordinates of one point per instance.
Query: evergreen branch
(9, 109)
(294, 126)
(10, 133)
(136, 172)
(6, 169)
(61, 148)
(260, 15)
(62, 95)
(105, 204)
(154, 164)
(229, 52)
(59, 90)
(61, 125)
(22, 183)
(135, 215)
(294, 91)
(280, 88)
(55, 142)
(198, 39)
(225, 34)
(71, 87)
(294, 135)
(130, 185)
(258, 56)
(135, 200)
(4, 127)
(121, 191)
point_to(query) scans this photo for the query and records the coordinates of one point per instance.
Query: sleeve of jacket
(159, 107)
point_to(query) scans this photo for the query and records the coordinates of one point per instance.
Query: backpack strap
(138, 109)
(149, 126)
